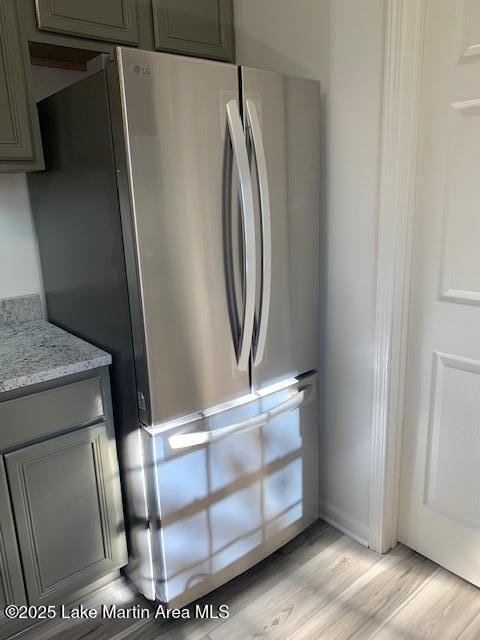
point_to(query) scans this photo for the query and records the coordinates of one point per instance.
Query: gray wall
(340, 43)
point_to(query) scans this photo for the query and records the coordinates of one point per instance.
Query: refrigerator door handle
(196, 438)
(253, 123)
(239, 146)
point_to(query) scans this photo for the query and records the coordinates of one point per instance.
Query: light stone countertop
(35, 351)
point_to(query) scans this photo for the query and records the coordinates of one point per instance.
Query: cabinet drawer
(48, 412)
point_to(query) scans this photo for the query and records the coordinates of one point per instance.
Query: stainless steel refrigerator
(178, 225)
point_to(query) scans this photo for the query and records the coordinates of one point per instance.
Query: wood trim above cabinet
(51, 18)
(167, 39)
(49, 55)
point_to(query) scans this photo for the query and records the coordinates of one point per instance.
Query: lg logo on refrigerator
(144, 71)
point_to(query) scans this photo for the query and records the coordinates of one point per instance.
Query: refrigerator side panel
(128, 232)
(288, 115)
(77, 218)
(177, 144)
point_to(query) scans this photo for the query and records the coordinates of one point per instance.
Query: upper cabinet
(108, 20)
(20, 148)
(195, 27)
(67, 33)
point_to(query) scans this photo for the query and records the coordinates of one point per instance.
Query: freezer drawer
(220, 503)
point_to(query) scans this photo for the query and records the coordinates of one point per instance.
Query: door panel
(11, 578)
(67, 505)
(196, 27)
(12, 589)
(288, 110)
(178, 143)
(20, 146)
(440, 497)
(109, 20)
(226, 504)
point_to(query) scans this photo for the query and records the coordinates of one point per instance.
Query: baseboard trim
(340, 520)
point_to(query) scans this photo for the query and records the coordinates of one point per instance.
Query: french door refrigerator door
(281, 116)
(184, 141)
(231, 488)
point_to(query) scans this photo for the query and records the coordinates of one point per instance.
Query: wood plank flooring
(321, 586)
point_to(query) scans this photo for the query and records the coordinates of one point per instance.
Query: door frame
(403, 62)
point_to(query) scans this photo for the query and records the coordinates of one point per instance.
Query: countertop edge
(55, 373)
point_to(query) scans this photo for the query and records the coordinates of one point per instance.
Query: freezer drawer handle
(196, 438)
(253, 123)
(239, 146)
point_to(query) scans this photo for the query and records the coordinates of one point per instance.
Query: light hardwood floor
(321, 586)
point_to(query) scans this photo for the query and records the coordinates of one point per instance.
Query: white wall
(340, 43)
(284, 35)
(19, 261)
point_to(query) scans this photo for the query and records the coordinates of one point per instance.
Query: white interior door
(440, 481)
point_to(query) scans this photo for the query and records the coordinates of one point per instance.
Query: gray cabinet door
(108, 20)
(11, 579)
(20, 148)
(67, 506)
(196, 27)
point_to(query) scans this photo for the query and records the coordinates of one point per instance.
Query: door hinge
(141, 401)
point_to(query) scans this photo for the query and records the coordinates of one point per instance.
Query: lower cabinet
(67, 506)
(108, 20)
(62, 530)
(11, 578)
